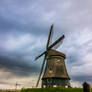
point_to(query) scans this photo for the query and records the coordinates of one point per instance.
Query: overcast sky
(24, 27)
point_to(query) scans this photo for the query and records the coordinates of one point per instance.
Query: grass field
(8, 91)
(49, 90)
(54, 90)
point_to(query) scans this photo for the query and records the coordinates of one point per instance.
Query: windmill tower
(55, 74)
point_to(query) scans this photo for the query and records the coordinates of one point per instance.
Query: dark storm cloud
(7, 25)
(17, 66)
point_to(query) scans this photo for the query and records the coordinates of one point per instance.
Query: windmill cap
(53, 52)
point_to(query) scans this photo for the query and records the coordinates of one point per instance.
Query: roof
(56, 53)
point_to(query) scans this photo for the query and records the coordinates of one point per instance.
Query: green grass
(8, 91)
(49, 90)
(53, 90)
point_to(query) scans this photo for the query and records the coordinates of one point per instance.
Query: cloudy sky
(24, 27)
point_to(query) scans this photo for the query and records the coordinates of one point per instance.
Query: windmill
(55, 74)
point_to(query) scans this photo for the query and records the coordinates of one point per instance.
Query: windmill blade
(48, 41)
(40, 55)
(56, 42)
(41, 70)
(51, 46)
(50, 36)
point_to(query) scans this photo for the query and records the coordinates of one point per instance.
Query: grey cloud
(17, 66)
(83, 78)
(35, 17)
(16, 21)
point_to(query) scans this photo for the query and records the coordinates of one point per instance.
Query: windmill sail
(41, 71)
(58, 45)
(56, 42)
(48, 41)
(50, 37)
(51, 46)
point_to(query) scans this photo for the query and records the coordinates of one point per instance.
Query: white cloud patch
(75, 84)
(9, 81)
